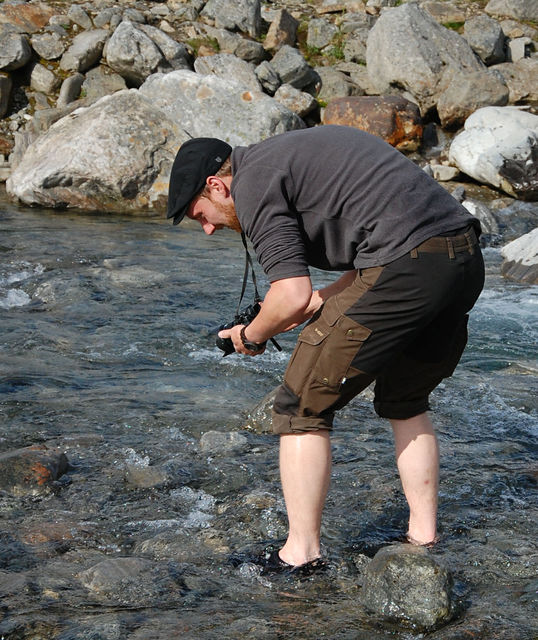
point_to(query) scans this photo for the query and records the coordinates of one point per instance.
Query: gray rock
(5, 93)
(268, 77)
(519, 48)
(226, 65)
(211, 106)
(499, 147)
(408, 49)
(282, 30)
(335, 84)
(100, 82)
(355, 46)
(518, 9)
(104, 156)
(131, 581)
(443, 12)
(134, 15)
(70, 89)
(320, 33)
(358, 74)
(486, 38)
(175, 54)
(242, 15)
(352, 21)
(405, 584)
(77, 15)
(15, 51)
(132, 53)
(521, 259)
(48, 45)
(516, 219)
(219, 443)
(44, 80)
(468, 92)
(85, 50)
(443, 172)
(243, 48)
(515, 29)
(479, 210)
(110, 17)
(521, 79)
(297, 101)
(292, 68)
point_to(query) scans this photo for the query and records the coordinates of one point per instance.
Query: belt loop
(470, 245)
(414, 253)
(450, 247)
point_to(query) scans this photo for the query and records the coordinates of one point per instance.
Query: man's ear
(217, 185)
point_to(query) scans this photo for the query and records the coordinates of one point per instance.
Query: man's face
(214, 213)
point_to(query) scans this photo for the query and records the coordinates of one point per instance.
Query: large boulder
(106, 156)
(404, 584)
(518, 9)
(499, 147)
(407, 49)
(235, 15)
(521, 259)
(205, 105)
(392, 118)
(226, 65)
(15, 51)
(486, 38)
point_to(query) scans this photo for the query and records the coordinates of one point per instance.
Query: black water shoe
(272, 563)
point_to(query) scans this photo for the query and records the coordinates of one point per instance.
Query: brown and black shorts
(403, 325)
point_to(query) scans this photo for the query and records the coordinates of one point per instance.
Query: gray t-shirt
(335, 198)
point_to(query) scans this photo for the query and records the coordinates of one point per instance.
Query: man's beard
(232, 222)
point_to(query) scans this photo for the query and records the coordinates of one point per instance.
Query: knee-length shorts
(403, 325)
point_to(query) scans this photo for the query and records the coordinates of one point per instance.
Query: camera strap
(249, 266)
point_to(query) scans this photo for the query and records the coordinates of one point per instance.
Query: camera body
(246, 316)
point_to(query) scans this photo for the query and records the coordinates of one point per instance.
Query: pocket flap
(314, 333)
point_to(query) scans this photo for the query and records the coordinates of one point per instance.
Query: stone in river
(32, 470)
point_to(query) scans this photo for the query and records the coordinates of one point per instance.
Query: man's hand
(234, 335)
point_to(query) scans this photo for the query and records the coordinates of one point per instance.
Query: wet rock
(32, 470)
(518, 9)
(499, 146)
(226, 65)
(217, 442)
(335, 84)
(105, 155)
(486, 38)
(211, 106)
(241, 15)
(297, 101)
(27, 17)
(405, 584)
(48, 45)
(468, 92)
(5, 93)
(521, 259)
(392, 118)
(282, 30)
(15, 51)
(133, 581)
(521, 79)
(100, 82)
(170, 474)
(85, 50)
(409, 50)
(259, 419)
(516, 219)
(292, 68)
(14, 555)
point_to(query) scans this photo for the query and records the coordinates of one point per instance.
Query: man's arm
(287, 304)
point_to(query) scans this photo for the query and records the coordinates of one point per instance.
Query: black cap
(196, 160)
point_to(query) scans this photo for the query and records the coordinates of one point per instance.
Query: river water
(107, 353)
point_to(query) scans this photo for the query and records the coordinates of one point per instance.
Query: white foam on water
(135, 459)
(15, 298)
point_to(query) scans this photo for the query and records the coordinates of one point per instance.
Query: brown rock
(283, 30)
(30, 471)
(392, 118)
(29, 18)
(6, 144)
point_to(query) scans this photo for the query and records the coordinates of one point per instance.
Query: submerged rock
(403, 583)
(215, 442)
(32, 470)
(521, 259)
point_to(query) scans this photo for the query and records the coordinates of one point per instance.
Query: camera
(243, 317)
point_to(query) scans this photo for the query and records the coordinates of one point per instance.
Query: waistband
(466, 241)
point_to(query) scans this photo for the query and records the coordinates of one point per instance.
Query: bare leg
(305, 469)
(417, 455)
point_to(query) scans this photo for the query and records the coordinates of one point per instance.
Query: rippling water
(107, 352)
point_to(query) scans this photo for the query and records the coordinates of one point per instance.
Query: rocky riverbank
(96, 97)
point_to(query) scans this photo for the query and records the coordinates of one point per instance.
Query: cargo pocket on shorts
(340, 347)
